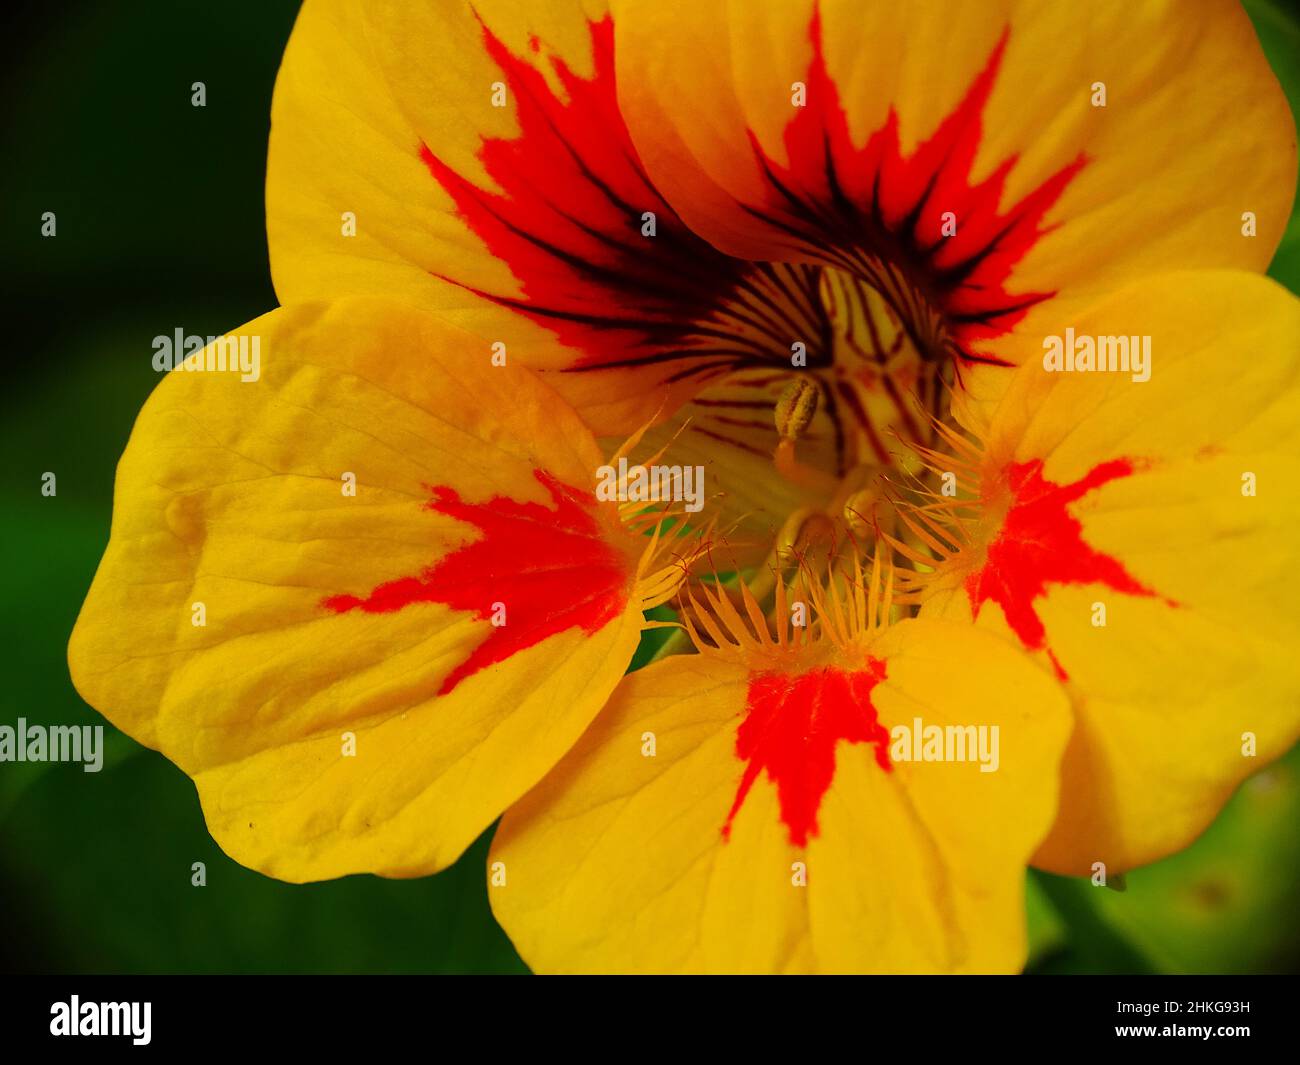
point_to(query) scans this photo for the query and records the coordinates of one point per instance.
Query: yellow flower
(819, 246)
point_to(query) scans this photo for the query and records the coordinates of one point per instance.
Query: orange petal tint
(791, 728)
(568, 219)
(1040, 543)
(552, 569)
(859, 204)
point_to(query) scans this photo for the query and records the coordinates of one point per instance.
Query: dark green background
(160, 224)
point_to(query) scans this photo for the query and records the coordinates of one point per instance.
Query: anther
(804, 529)
(860, 512)
(796, 407)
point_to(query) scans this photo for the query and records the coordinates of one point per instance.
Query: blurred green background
(160, 224)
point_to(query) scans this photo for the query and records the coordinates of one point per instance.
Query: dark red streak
(568, 219)
(1041, 543)
(874, 202)
(551, 568)
(793, 725)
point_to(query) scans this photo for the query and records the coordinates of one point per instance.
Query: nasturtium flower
(814, 248)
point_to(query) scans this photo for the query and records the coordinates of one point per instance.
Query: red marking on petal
(1041, 543)
(568, 218)
(792, 726)
(551, 568)
(890, 206)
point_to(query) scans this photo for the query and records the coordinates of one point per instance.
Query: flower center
(820, 387)
(870, 363)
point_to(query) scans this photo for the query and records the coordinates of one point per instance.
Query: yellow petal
(1157, 567)
(411, 602)
(762, 833)
(847, 133)
(473, 159)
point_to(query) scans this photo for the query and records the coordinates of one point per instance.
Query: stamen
(869, 510)
(796, 407)
(805, 527)
(793, 413)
